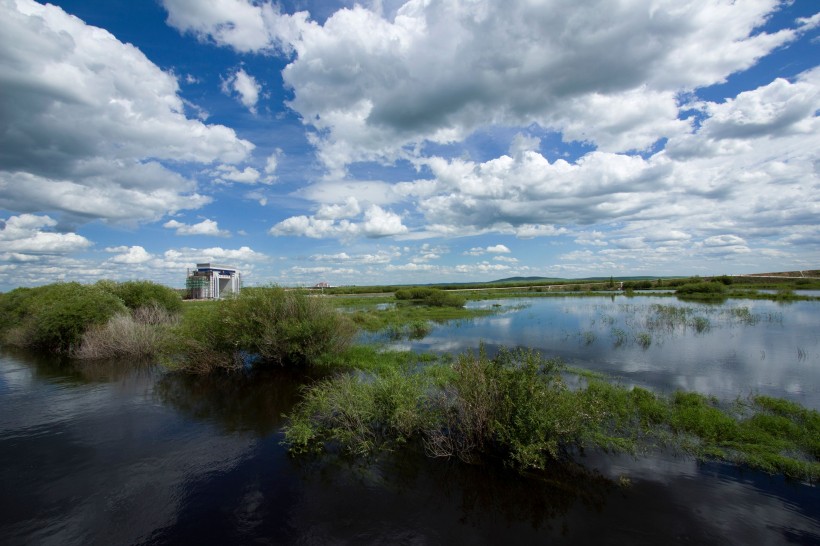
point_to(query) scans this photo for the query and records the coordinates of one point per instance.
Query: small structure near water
(212, 282)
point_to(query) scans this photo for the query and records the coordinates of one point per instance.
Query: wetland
(110, 451)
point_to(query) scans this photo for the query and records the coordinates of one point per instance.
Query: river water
(117, 454)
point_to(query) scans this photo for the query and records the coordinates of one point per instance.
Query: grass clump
(644, 339)
(405, 319)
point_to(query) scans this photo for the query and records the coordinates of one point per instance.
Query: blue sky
(407, 142)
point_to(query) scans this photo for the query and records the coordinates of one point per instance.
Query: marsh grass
(619, 336)
(373, 359)
(644, 339)
(516, 408)
(140, 334)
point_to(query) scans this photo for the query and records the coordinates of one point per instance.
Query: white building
(212, 281)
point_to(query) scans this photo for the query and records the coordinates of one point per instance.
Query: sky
(391, 142)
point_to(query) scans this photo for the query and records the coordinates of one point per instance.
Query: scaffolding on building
(210, 281)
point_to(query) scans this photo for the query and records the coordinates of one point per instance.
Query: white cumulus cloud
(26, 236)
(245, 87)
(88, 121)
(205, 227)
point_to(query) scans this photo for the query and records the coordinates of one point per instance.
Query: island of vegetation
(514, 406)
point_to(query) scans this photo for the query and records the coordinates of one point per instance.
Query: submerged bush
(285, 326)
(54, 317)
(362, 414)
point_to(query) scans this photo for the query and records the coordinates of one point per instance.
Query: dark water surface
(112, 454)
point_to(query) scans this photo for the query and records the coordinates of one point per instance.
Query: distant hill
(798, 274)
(585, 279)
(809, 273)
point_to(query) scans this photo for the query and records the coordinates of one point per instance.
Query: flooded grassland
(111, 453)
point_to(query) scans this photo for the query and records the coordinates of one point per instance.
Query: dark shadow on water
(484, 495)
(68, 371)
(247, 400)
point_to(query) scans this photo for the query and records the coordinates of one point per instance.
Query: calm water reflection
(112, 454)
(745, 345)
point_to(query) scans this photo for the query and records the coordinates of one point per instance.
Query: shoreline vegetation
(514, 406)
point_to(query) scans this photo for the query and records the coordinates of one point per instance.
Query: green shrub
(270, 324)
(414, 293)
(439, 298)
(55, 317)
(700, 288)
(287, 326)
(136, 294)
(431, 296)
(362, 413)
(637, 285)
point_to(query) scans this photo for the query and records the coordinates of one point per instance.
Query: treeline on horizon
(767, 280)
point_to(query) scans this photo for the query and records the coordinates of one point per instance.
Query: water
(112, 454)
(748, 346)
